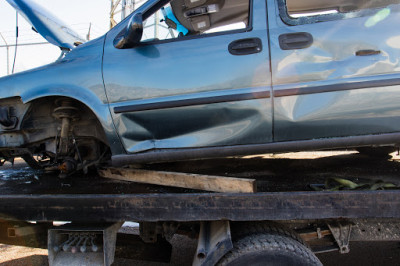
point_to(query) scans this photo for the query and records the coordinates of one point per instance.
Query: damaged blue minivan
(194, 79)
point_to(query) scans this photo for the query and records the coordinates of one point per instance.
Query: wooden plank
(183, 180)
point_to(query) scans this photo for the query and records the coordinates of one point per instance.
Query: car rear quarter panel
(371, 107)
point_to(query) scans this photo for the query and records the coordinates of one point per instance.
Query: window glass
(182, 18)
(303, 8)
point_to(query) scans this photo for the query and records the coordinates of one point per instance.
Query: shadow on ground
(35, 260)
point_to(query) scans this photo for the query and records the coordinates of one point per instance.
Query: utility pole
(127, 6)
(130, 6)
(8, 54)
(156, 22)
(114, 5)
(123, 10)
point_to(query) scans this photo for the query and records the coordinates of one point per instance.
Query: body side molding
(241, 150)
(247, 94)
(173, 102)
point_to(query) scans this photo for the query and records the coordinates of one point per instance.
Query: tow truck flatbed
(283, 198)
(282, 195)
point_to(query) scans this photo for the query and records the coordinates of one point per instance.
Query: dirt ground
(306, 164)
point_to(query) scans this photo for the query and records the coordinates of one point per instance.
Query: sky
(77, 14)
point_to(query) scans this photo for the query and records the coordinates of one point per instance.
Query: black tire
(267, 243)
(242, 229)
(269, 249)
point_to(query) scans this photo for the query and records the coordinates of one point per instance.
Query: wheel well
(40, 121)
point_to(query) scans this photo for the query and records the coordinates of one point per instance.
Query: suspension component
(6, 119)
(69, 165)
(67, 113)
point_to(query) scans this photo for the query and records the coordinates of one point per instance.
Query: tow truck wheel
(267, 243)
(269, 249)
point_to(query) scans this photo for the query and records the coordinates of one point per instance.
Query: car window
(181, 18)
(311, 11)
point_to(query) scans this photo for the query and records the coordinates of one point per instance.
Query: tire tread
(250, 237)
(269, 242)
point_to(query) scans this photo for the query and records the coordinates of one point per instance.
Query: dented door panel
(191, 92)
(218, 124)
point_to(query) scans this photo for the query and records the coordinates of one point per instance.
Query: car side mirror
(132, 34)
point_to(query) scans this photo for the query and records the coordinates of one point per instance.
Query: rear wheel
(266, 244)
(269, 249)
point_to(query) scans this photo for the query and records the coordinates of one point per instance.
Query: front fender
(77, 76)
(88, 97)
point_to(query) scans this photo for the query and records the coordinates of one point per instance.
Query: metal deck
(87, 199)
(202, 207)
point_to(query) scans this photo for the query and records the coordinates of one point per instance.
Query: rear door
(177, 90)
(335, 68)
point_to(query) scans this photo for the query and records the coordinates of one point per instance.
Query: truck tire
(269, 249)
(242, 229)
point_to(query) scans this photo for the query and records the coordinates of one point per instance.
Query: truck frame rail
(202, 206)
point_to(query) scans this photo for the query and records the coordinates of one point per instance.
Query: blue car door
(181, 90)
